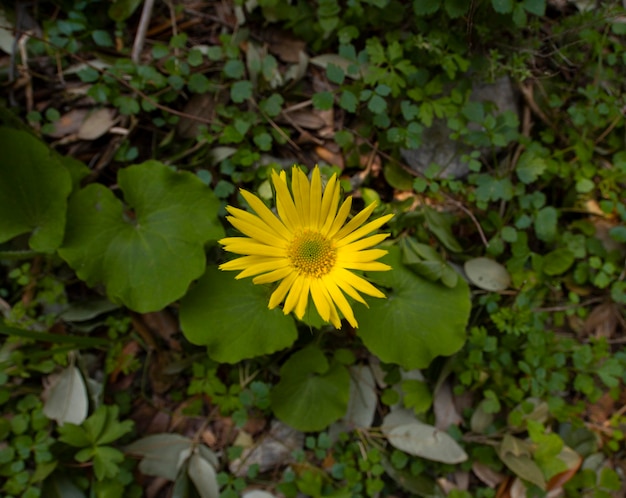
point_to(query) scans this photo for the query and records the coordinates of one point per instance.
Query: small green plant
(26, 458)
(93, 439)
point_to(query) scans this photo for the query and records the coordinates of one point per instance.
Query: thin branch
(140, 37)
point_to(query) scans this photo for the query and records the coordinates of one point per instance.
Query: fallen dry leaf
(573, 461)
(164, 324)
(444, 408)
(304, 118)
(602, 321)
(284, 45)
(602, 410)
(329, 156)
(201, 105)
(68, 124)
(96, 124)
(487, 475)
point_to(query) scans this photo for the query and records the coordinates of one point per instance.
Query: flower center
(312, 253)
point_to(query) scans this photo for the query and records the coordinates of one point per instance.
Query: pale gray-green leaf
(257, 493)
(408, 434)
(81, 311)
(516, 456)
(163, 454)
(203, 476)
(67, 399)
(345, 64)
(487, 274)
(363, 398)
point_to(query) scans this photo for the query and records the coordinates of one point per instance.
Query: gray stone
(274, 450)
(439, 149)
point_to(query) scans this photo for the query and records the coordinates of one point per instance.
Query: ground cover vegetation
(138, 141)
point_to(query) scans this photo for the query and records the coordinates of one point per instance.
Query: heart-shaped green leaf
(33, 191)
(418, 320)
(312, 393)
(231, 318)
(148, 257)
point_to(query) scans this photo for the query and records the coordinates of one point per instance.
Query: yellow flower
(308, 247)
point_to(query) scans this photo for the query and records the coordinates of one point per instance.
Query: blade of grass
(55, 338)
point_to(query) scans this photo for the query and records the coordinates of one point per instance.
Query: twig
(612, 125)
(140, 37)
(302, 131)
(415, 173)
(473, 218)
(275, 126)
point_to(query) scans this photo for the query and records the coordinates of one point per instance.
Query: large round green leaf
(312, 393)
(231, 318)
(418, 320)
(146, 258)
(34, 187)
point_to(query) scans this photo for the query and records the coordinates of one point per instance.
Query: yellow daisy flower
(309, 248)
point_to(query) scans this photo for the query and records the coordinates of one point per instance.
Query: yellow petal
(373, 266)
(323, 294)
(357, 282)
(348, 289)
(332, 226)
(269, 265)
(259, 233)
(243, 245)
(319, 299)
(339, 299)
(294, 295)
(266, 214)
(273, 276)
(279, 294)
(334, 316)
(284, 203)
(301, 195)
(247, 216)
(303, 298)
(359, 245)
(330, 201)
(355, 222)
(315, 198)
(363, 231)
(360, 256)
(242, 263)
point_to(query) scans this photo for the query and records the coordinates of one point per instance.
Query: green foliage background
(508, 284)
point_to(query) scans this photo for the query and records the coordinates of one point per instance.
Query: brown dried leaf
(487, 475)
(163, 324)
(156, 487)
(271, 451)
(96, 124)
(200, 105)
(573, 461)
(444, 407)
(160, 423)
(307, 119)
(518, 489)
(603, 227)
(283, 44)
(602, 410)
(330, 157)
(208, 437)
(602, 321)
(68, 124)
(160, 380)
(130, 350)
